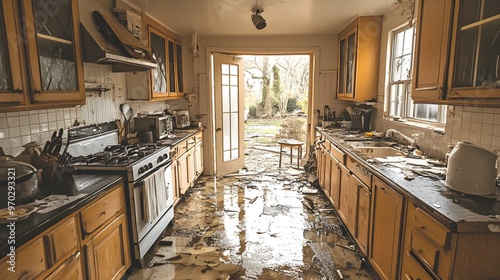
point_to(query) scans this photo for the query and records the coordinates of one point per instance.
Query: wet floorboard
(268, 225)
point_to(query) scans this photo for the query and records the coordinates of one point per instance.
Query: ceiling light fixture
(257, 19)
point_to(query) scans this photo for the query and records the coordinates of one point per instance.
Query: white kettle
(471, 170)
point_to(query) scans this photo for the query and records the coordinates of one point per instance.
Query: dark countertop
(460, 212)
(178, 136)
(27, 229)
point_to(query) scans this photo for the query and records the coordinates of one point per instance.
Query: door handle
(218, 129)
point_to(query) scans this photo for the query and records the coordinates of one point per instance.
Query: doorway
(285, 98)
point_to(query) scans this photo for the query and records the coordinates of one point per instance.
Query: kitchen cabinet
(327, 171)
(189, 157)
(433, 35)
(434, 251)
(54, 51)
(475, 54)
(198, 155)
(358, 59)
(362, 214)
(335, 181)
(13, 86)
(166, 81)
(457, 53)
(107, 253)
(175, 177)
(348, 202)
(29, 263)
(61, 241)
(386, 229)
(42, 65)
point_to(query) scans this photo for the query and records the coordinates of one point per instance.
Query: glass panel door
(351, 62)
(159, 53)
(342, 60)
(5, 75)
(180, 82)
(54, 31)
(230, 111)
(171, 67)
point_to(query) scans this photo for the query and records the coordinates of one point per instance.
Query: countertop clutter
(89, 185)
(461, 212)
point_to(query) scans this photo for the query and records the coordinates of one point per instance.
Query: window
(400, 103)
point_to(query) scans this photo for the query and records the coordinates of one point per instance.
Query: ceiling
(284, 17)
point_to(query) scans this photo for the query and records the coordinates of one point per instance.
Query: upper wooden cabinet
(358, 59)
(457, 53)
(431, 51)
(40, 47)
(12, 80)
(164, 81)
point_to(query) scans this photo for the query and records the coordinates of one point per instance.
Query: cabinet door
(348, 200)
(182, 164)
(159, 75)
(335, 177)
(61, 241)
(12, 78)
(475, 57)
(108, 254)
(319, 166)
(198, 159)
(351, 64)
(387, 206)
(178, 68)
(328, 171)
(363, 221)
(342, 57)
(54, 52)
(431, 51)
(190, 164)
(175, 179)
(172, 89)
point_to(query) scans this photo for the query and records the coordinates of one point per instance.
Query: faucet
(412, 141)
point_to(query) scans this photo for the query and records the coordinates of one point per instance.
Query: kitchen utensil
(471, 170)
(25, 178)
(326, 113)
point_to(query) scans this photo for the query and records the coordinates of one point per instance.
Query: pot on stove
(471, 170)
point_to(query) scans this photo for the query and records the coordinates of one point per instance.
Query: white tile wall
(19, 128)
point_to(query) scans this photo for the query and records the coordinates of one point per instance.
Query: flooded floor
(263, 223)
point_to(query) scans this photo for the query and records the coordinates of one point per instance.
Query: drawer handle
(103, 213)
(20, 91)
(408, 277)
(363, 170)
(423, 227)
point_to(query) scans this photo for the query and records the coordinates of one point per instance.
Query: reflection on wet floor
(270, 225)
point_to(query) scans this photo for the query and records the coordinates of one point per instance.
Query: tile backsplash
(19, 128)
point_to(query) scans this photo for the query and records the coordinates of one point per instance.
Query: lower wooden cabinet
(29, 262)
(348, 200)
(64, 252)
(386, 222)
(335, 176)
(107, 253)
(188, 157)
(363, 215)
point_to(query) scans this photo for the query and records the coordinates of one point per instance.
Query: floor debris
(270, 225)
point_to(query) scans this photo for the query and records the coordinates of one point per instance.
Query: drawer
(70, 269)
(190, 142)
(338, 154)
(327, 144)
(431, 228)
(412, 270)
(102, 210)
(30, 262)
(61, 241)
(361, 172)
(424, 249)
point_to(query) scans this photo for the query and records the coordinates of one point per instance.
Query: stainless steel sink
(379, 151)
(371, 144)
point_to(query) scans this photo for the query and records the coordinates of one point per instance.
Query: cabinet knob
(37, 91)
(454, 93)
(20, 91)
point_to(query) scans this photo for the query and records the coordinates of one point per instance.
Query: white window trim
(442, 109)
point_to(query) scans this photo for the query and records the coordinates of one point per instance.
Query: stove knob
(145, 167)
(165, 156)
(150, 165)
(160, 159)
(141, 170)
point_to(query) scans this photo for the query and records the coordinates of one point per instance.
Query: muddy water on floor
(254, 227)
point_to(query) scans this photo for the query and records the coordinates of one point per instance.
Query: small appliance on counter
(160, 126)
(471, 170)
(361, 118)
(181, 118)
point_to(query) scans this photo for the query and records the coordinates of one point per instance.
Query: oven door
(142, 226)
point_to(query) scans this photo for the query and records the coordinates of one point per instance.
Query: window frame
(407, 109)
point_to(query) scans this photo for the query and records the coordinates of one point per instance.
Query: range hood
(124, 52)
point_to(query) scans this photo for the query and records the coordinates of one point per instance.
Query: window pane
(408, 43)
(225, 99)
(234, 99)
(225, 69)
(233, 69)
(396, 69)
(396, 100)
(398, 44)
(225, 79)
(158, 51)
(406, 67)
(234, 80)
(234, 130)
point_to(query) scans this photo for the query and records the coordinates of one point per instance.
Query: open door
(229, 108)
